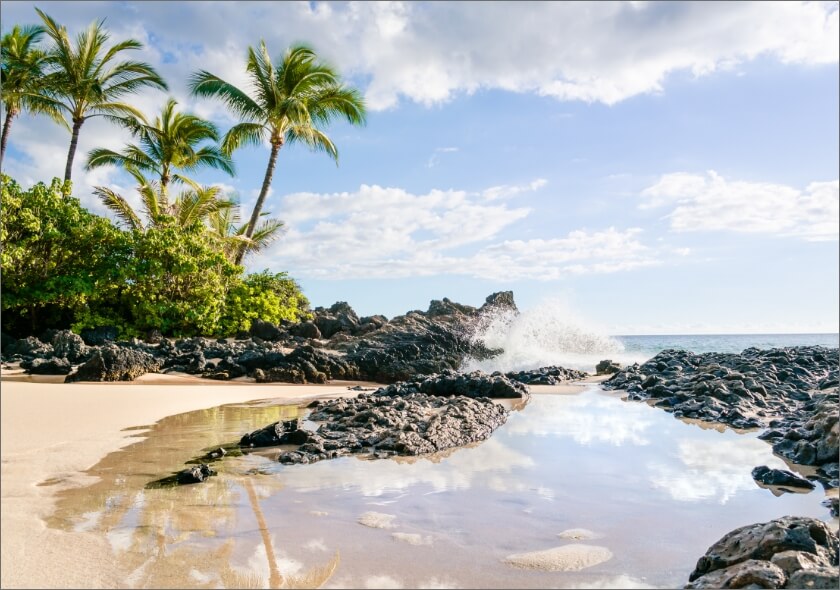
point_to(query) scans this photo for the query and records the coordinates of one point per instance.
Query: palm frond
(119, 206)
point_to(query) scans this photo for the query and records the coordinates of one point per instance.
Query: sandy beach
(52, 433)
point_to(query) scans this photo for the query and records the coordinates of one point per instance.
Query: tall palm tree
(291, 103)
(21, 79)
(87, 80)
(171, 143)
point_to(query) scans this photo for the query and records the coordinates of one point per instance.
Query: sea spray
(538, 337)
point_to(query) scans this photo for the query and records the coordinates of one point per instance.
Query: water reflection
(586, 419)
(623, 470)
(712, 469)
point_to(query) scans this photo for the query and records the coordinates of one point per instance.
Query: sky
(651, 167)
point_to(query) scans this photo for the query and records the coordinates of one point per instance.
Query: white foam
(548, 334)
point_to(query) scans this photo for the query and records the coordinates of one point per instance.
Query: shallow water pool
(652, 491)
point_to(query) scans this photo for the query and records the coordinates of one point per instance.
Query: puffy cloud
(710, 202)
(430, 52)
(390, 232)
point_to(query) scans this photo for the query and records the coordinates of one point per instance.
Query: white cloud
(390, 232)
(434, 159)
(505, 191)
(710, 202)
(430, 52)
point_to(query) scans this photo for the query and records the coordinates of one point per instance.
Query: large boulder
(306, 330)
(769, 555)
(52, 366)
(99, 335)
(113, 363)
(29, 347)
(70, 346)
(265, 330)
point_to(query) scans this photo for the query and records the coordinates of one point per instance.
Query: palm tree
(191, 206)
(225, 226)
(171, 143)
(291, 103)
(87, 81)
(21, 79)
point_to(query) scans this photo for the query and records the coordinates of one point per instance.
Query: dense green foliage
(265, 296)
(65, 267)
(56, 255)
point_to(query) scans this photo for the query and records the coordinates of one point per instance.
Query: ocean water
(549, 335)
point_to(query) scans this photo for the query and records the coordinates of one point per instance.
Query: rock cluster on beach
(412, 418)
(789, 552)
(744, 390)
(335, 344)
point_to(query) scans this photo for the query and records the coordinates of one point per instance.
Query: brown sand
(52, 432)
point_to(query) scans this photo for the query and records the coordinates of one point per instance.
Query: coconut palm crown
(171, 143)
(291, 103)
(87, 79)
(22, 78)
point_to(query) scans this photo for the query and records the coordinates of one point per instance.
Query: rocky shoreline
(335, 344)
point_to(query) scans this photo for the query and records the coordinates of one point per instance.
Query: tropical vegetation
(171, 258)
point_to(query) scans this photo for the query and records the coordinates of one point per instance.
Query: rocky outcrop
(53, 366)
(112, 363)
(99, 335)
(473, 385)
(607, 367)
(68, 345)
(789, 552)
(29, 347)
(744, 390)
(547, 376)
(382, 426)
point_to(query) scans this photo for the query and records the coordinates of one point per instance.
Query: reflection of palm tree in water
(158, 552)
(314, 578)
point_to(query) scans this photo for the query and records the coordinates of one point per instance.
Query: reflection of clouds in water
(382, 582)
(715, 468)
(386, 581)
(465, 468)
(587, 418)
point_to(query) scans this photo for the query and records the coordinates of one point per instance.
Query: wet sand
(52, 432)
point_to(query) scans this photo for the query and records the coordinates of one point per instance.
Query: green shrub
(56, 256)
(269, 297)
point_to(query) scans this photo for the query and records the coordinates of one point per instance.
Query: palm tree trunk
(68, 170)
(255, 216)
(10, 114)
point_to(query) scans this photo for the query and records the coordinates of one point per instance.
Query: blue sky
(654, 167)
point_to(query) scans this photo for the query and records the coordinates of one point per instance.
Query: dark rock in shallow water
(270, 435)
(780, 477)
(53, 366)
(473, 385)
(195, 474)
(546, 376)
(112, 363)
(383, 426)
(607, 367)
(99, 335)
(775, 554)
